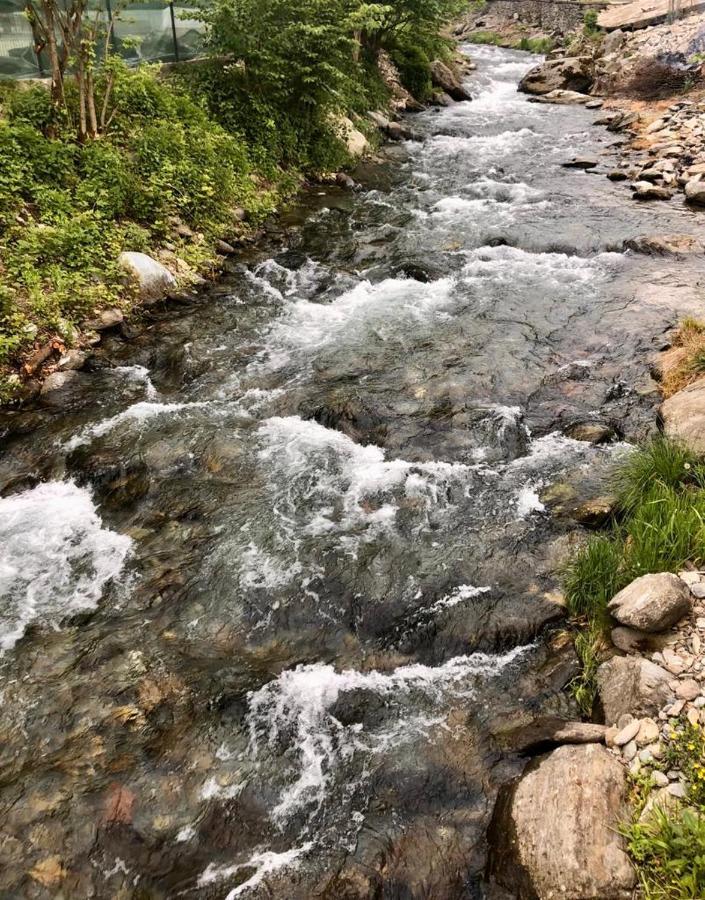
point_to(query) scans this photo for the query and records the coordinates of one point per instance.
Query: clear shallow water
(275, 586)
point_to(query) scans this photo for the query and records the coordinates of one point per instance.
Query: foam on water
(264, 862)
(56, 556)
(366, 310)
(296, 707)
(354, 486)
(139, 374)
(137, 413)
(511, 264)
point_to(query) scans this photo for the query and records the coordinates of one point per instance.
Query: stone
(152, 280)
(631, 684)
(580, 162)
(652, 603)
(698, 590)
(107, 319)
(73, 360)
(648, 732)
(646, 757)
(537, 837)
(447, 80)
(644, 190)
(617, 175)
(695, 192)
(571, 73)
(590, 432)
(628, 640)
(664, 245)
(594, 104)
(48, 871)
(659, 779)
(693, 716)
(677, 789)
(355, 141)
(628, 733)
(683, 416)
(225, 248)
(595, 513)
(629, 751)
(688, 689)
(674, 663)
(547, 730)
(63, 390)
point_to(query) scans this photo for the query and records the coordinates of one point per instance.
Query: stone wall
(549, 15)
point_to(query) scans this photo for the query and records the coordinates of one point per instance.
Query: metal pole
(173, 32)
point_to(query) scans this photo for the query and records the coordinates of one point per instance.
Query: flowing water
(280, 578)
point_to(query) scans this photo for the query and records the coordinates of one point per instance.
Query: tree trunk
(90, 102)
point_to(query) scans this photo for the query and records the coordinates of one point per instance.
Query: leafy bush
(590, 26)
(415, 70)
(669, 852)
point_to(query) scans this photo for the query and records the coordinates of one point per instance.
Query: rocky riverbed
(280, 606)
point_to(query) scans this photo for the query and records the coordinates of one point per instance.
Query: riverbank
(182, 165)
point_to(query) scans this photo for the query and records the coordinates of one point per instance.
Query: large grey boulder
(631, 684)
(153, 280)
(683, 416)
(652, 602)
(447, 80)
(555, 832)
(575, 73)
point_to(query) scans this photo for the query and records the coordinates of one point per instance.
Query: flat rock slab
(683, 416)
(554, 832)
(652, 603)
(640, 14)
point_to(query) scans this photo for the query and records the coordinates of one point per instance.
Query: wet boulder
(447, 80)
(683, 416)
(555, 833)
(632, 685)
(652, 603)
(664, 244)
(152, 280)
(65, 389)
(571, 74)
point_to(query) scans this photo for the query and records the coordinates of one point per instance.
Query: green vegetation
(590, 26)
(105, 159)
(690, 364)
(486, 37)
(668, 847)
(530, 44)
(659, 525)
(536, 45)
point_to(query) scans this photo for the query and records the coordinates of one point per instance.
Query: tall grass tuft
(660, 462)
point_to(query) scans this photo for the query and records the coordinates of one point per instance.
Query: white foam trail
(348, 477)
(138, 412)
(365, 310)
(264, 862)
(528, 502)
(502, 265)
(55, 558)
(298, 703)
(458, 595)
(139, 374)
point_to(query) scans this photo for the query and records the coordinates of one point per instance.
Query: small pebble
(628, 733)
(676, 708)
(688, 689)
(629, 751)
(677, 789)
(647, 732)
(645, 757)
(659, 779)
(693, 716)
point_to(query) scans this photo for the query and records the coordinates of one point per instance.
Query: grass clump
(669, 852)
(659, 527)
(689, 344)
(539, 45)
(493, 38)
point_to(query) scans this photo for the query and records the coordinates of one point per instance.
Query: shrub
(415, 70)
(590, 26)
(670, 854)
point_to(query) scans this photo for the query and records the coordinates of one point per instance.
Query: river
(276, 585)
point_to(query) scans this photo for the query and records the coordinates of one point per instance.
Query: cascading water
(276, 584)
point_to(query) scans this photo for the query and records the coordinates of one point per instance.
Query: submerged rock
(153, 280)
(555, 831)
(64, 389)
(632, 685)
